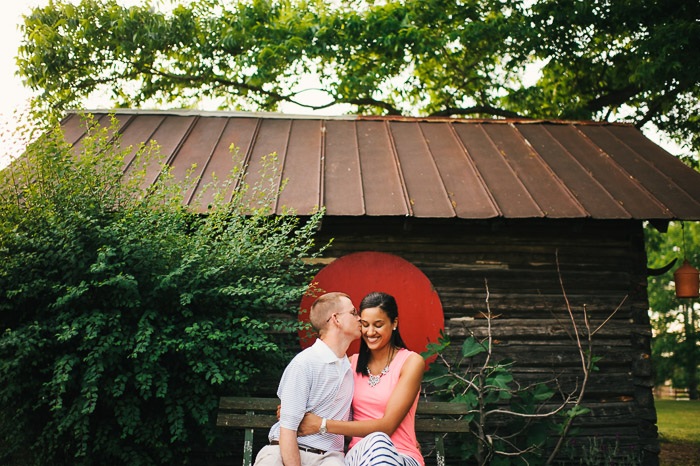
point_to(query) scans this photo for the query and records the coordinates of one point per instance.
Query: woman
(387, 384)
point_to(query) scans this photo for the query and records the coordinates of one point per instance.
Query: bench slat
(442, 425)
(248, 403)
(242, 421)
(444, 408)
(270, 404)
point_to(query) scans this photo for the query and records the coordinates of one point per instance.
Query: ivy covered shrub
(123, 314)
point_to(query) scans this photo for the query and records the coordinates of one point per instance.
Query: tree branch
(656, 105)
(613, 99)
(392, 110)
(369, 101)
(487, 109)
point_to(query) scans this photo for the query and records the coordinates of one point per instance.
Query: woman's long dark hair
(386, 303)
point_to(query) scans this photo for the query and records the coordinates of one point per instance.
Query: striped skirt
(377, 449)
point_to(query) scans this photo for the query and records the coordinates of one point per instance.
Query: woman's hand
(311, 424)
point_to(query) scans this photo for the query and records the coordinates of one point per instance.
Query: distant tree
(125, 315)
(676, 322)
(603, 60)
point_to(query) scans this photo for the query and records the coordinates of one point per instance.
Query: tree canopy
(634, 61)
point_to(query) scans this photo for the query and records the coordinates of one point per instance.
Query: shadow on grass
(679, 432)
(679, 454)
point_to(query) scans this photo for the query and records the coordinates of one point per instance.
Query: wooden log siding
(600, 261)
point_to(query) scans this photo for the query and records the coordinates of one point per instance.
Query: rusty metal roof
(428, 168)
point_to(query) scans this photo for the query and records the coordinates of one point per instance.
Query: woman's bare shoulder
(414, 362)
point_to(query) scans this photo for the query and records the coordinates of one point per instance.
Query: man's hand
(289, 448)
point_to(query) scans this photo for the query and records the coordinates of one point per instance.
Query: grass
(678, 421)
(679, 432)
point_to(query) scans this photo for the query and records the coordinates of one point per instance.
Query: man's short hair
(323, 308)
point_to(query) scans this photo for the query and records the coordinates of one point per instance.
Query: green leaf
(471, 348)
(541, 392)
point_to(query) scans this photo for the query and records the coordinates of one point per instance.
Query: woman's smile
(377, 327)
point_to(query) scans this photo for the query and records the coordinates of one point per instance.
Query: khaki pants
(270, 455)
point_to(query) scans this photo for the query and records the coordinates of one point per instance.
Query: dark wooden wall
(601, 263)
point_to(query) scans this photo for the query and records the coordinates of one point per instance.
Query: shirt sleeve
(293, 392)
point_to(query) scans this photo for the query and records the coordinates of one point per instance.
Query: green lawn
(678, 421)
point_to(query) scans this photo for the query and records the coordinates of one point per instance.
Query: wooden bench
(261, 413)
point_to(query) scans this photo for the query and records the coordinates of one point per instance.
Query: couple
(320, 386)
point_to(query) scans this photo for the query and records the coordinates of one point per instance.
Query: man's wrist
(323, 428)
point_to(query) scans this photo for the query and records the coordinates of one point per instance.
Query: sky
(13, 95)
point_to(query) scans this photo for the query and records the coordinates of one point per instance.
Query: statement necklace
(374, 379)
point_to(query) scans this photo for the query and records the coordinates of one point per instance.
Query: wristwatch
(323, 428)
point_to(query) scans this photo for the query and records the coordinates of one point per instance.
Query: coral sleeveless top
(370, 402)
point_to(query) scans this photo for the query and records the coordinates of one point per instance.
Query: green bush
(124, 315)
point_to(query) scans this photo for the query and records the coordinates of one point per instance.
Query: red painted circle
(357, 274)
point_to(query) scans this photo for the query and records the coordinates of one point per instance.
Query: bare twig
(611, 315)
(584, 365)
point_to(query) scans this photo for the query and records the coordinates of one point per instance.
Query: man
(317, 380)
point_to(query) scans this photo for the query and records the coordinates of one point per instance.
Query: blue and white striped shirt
(315, 381)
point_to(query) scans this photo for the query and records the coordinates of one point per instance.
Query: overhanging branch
(487, 109)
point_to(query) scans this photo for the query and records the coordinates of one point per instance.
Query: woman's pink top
(370, 403)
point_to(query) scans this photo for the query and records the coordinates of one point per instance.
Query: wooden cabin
(539, 213)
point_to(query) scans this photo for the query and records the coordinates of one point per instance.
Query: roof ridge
(278, 115)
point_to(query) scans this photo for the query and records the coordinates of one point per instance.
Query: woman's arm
(396, 409)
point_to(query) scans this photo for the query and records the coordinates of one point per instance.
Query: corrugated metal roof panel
(381, 180)
(268, 151)
(138, 133)
(421, 167)
(540, 181)
(74, 128)
(463, 184)
(196, 150)
(230, 149)
(648, 175)
(170, 136)
(342, 177)
(426, 192)
(662, 160)
(597, 202)
(302, 168)
(631, 196)
(513, 199)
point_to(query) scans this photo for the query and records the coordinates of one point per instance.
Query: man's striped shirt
(315, 381)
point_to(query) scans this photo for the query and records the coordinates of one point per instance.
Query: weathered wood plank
(240, 421)
(441, 408)
(441, 425)
(248, 403)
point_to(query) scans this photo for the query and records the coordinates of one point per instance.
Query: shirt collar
(325, 353)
